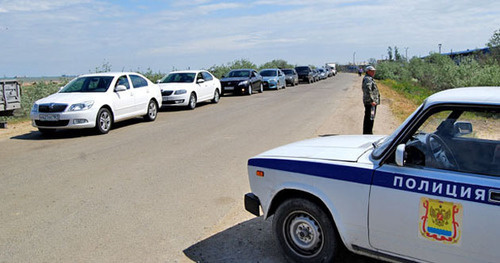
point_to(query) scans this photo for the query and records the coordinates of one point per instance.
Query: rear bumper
(252, 204)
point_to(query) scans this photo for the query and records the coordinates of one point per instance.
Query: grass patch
(400, 102)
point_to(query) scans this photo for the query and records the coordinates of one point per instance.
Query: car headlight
(181, 91)
(243, 83)
(81, 106)
(34, 108)
(273, 81)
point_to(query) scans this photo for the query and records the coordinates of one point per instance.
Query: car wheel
(46, 132)
(261, 88)
(249, 90)
(152, 111)
(192, 101)
(305, 232)
(103, 121)
(216, 96)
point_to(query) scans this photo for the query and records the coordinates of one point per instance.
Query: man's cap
(370, 68)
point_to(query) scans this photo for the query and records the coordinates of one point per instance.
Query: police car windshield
(382, 145)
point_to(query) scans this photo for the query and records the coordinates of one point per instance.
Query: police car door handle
(494, 196)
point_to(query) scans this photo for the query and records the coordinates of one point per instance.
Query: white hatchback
(187, 88)
(97, 101)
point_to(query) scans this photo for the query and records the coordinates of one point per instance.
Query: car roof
(242, 69)
(269, 69)
(109, 74)
(188, 71)
(470, 95)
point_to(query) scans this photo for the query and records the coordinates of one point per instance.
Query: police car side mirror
(462, 128)
(400, 155)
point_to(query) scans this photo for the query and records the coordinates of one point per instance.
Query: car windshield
(288, 71)
(88, 84)
(179, 78)
(384, 143)
(302, 69)
(268, 73)
(239, 74)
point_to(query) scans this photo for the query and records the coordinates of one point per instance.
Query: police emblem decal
(440, 221)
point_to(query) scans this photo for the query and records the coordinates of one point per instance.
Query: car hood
(70, 98)
(269, 78)
(234, 79)
(346, 148)
(174, 86)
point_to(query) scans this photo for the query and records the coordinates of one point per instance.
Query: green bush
(437, 72)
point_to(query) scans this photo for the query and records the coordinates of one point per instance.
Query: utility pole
(406, 53)
(354, 58)
(439, 45)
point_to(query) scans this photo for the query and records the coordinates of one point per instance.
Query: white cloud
(204, 32)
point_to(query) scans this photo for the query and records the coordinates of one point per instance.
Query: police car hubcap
(305, 233)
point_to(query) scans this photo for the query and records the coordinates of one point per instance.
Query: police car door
(442, 204)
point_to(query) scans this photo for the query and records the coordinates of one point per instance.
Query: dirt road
(167, 191)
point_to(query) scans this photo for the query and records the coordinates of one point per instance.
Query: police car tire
(300, 212)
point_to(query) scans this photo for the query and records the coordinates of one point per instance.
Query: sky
(72, 37)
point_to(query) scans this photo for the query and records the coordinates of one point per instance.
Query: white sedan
(97, 101)
(187, 88)
(430, 192)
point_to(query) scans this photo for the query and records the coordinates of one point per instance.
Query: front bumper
(64, 120)
(175, 100)
(240, 89)
(252, 204)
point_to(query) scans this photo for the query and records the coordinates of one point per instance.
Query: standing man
(371, 98)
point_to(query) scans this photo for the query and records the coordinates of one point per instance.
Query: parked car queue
(99, 100)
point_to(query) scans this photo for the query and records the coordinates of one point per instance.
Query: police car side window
(466, 141)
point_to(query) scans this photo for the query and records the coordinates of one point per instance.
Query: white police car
(430, 192)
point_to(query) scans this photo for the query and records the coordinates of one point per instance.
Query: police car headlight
(81, 106)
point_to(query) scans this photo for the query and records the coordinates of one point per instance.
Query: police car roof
(470, 95)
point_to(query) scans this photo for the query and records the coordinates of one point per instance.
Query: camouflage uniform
(370, 94)
(370, 91)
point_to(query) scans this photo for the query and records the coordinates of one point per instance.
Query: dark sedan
(242, 81)
(305, 74)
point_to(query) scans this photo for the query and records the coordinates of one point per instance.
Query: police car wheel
(304, 231)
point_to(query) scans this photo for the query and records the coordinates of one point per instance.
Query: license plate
(229, 88)
(49, 117)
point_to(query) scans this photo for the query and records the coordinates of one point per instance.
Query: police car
(429, 192)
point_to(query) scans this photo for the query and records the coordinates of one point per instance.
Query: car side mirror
(462, 128)
(158, 81)
(223, 76)
(199, 81)
(120, 88)
(400, 155)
